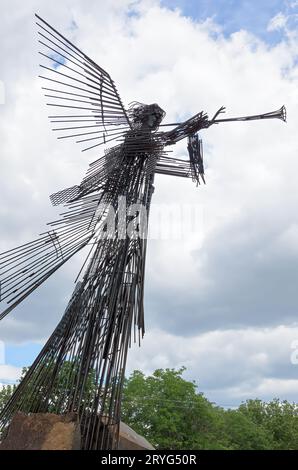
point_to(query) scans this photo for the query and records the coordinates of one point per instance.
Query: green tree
(279, 418)
(167, 410)
(242, 433)
(170, 412)
(61, 391)
(5, 393)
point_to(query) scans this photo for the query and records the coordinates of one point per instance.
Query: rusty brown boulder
(42, 431)
(47, 431)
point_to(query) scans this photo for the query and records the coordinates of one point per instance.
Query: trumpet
(281, 113)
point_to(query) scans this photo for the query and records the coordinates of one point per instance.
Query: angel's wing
(24, 268)
(87, 105)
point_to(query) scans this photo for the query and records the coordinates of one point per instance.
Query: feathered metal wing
(89, 110)
(87, 105)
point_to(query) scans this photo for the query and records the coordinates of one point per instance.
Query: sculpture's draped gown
(81, 367)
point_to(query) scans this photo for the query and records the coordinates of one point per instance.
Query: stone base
(47, 431)
(43, 431)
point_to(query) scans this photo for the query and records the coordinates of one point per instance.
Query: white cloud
(9, 374)
(279, 21)
(2, 93)
(229, 365)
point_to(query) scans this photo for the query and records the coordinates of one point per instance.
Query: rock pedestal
(42, 431)
(47, 431)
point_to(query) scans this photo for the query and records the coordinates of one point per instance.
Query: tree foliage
(166, 409)
(5, 393)
(170, 412)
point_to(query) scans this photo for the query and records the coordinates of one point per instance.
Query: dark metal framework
(81, 368)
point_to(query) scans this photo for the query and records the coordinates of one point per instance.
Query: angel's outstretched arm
(200, 121)
(190, 127)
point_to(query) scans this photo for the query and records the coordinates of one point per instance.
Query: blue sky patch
(234, 15)
(21, 355)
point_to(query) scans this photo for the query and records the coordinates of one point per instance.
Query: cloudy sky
(221, 298)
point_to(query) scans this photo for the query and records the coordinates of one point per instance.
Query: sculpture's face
(154, 116)
(152, 121)
(146, 116)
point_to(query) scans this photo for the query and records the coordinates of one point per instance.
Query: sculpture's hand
(195, 123)
(221, 110)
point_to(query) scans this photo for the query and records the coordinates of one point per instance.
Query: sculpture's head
(145, 116)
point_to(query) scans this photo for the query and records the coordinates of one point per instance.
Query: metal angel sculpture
(81, 367)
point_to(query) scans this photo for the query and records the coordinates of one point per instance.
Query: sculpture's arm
(200, 121)
(190, 127)
(173, 166)
(193, 168)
